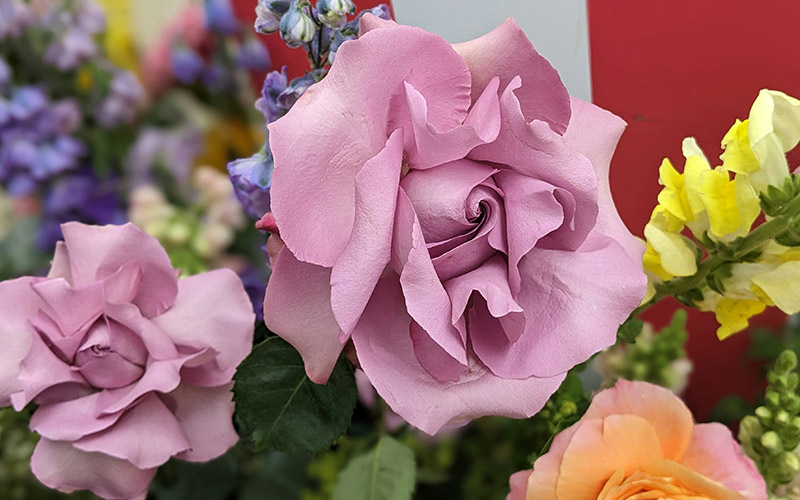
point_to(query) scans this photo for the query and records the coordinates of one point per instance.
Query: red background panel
(682, 68)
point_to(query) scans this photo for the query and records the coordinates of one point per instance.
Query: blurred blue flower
(186, 64)
(220, 17)
(15, 16)
(5, 72)
(298, 87)
(253, 55)
(125, 99)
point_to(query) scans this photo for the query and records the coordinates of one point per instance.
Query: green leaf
(387, 472)
(630, 330)
(279, 408)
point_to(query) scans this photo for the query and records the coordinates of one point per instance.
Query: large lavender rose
(128, 365)
(446, 209)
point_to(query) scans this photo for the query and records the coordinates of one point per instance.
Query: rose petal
(60, 267)
(98, 252)
(369, 248)
(425, 298)
(507, 53)
(491, 281)
(371, 22)
(72, 419)
(18, 303)
(595, 132)
(313, 187)
(434, 147)
(159, 376)
(518, 482)
(159, 345)
(625, 442)
(531, 212)
(61, 466)
(542, 482)
(71, 308)
(40, 370)
(676, 473)
(560, 289)
(146, 435)
(433, 358)
(534, 150)
(714, 453)
(297, 306)
(212, 310)
(205, 416)
(439, 197)
(389, 361)
(670, 418)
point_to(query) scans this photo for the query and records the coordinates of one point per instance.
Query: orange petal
(670, 418)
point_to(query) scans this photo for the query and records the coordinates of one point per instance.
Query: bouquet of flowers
(446, 266)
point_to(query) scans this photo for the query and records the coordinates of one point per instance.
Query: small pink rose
(446, 209)
(128, 365)
(638, 440)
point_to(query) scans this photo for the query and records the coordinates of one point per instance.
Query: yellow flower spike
(118, 37)
(738, 157)
(731, 204)
(652, 263)
(662, 218)
(734, 315)
(694, 171)
(673, 196)
(782, 286)
(675, 255)
(773, 129)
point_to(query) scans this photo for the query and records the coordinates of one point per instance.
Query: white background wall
(558, 28)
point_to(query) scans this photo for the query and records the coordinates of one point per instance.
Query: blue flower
(274, 84)
(253, 55)
(252, 180)
(268, 15)
(297, 27)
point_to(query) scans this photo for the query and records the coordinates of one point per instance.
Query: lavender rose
(446, 209)
(128, 365)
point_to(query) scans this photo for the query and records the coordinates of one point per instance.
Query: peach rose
(638, 441)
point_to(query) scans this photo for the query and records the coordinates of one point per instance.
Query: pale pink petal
(41, 370)
(490, 280)
(595, 132)
(485, 207)
(72, 419)
(371, 22)
(124, 285)
(560, 289)
(507, 53)
(61, 466)
(98, 252)
(425, 298)
(670, 418)
(714, 453)
(211, 310)
(159, 345)
(205, 416)
(18, 303)
(159, 376)
(313, 189)
(434, 147)
(519, 485)
(389, 361)
(60, 267)
(534, 150)
(439, 197)
(297, 306)
(369, 248)
(440, 365)
(71, 308)
(532, 212)
(146, 435)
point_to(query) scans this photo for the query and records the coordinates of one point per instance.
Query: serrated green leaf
(387, 472)
(279, 408)
(630, 330)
